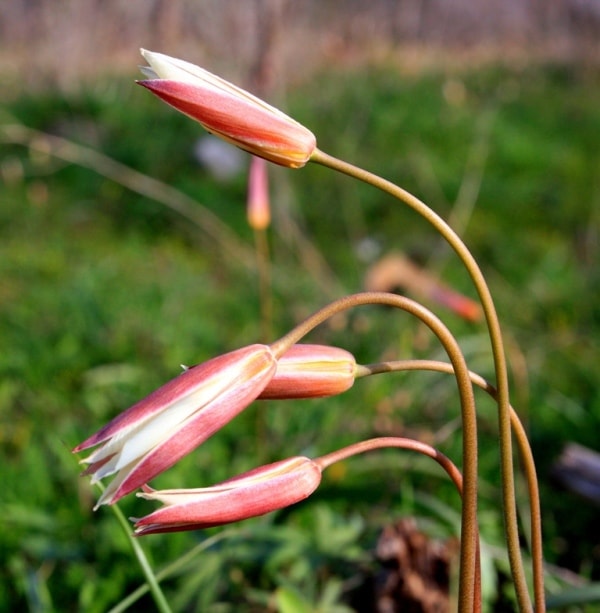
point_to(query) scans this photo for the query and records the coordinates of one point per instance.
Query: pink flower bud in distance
(311, 371)
(251, 494)
(258, 207)
(228, 111)
(159, 430)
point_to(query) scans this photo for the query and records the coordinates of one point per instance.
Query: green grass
(103, 293)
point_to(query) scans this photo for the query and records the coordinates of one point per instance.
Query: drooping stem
(524, 451)
(503, 399)
(419, 447)
(393, 441)
(469, 531)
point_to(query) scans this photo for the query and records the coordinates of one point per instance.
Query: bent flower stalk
(228, 111)
(159, 430)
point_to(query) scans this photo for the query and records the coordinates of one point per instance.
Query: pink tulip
(311, 371)
(251, 494)
(159, 430)
(258, 206)
(228, 111)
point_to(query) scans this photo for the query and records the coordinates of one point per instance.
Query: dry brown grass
(64, 42)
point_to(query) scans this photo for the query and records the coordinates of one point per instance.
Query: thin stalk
(503, 400)
(171, 569)
(159, 598)
(524, 451)
(258, 214)
(394, 441)
(263, 265)
(469, 531)
(419, 447)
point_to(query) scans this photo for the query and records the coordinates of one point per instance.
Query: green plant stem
(469, 531)
(503, 398)
(172, 568)
(159, 598)
(524, 450)
(263, 265)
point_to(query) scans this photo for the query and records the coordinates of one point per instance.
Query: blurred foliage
(104, 293)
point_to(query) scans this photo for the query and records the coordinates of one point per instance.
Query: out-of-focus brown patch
(416, 570)
(396, 272)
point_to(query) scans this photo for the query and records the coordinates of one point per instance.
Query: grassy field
(105, 291)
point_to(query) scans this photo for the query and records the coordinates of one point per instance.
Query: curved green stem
(524, 450)
(503, 399)
(469, 531)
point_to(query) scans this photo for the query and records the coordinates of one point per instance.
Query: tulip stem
(493, 324)
(171, 569)
(522, 443)
(419, 447)
(392, 441)
(263, 266)
(469, 530)
(159, 598)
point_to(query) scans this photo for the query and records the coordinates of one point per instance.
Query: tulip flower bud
(251, 494)
(311, 371)
(228, 111)
(159, 430)
(258, 206)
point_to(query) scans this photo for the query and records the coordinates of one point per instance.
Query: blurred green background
(105, 291)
